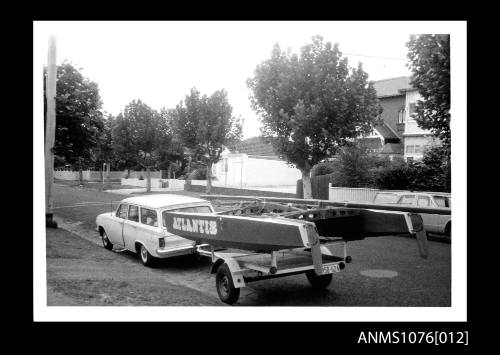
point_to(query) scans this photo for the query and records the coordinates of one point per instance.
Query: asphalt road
(385, 271)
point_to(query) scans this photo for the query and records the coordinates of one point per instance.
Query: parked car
(138, 225)
(433, 223)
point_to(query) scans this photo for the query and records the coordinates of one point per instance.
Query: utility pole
(50, 131)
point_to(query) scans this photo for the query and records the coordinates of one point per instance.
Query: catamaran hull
(256, 234)
(265, 234)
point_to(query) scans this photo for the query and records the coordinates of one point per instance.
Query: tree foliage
(312, 103)
(205, 125)
(140, 136)
(79, 120)
(429, 57)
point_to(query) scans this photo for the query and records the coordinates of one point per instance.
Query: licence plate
(330, 269)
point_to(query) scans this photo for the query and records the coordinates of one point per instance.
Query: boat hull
(255, 234)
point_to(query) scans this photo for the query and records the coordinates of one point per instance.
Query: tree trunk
(128, 174)
(209, 177)
(80, 172)
(148, 179)
(306, 184)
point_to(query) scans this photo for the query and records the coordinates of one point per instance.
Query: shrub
(323, 168)
(433, 173)
(353, 166)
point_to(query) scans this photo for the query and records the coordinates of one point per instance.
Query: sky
(159, 62)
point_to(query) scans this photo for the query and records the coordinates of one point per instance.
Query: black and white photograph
(250, 171)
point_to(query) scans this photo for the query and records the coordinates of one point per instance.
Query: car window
(406, 200)
(122, 211)
(442, 201)
(385, 198)
(133, 213)
(149, 217)
(423, 201)
(195, 209)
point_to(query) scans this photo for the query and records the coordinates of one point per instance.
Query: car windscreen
(385, 198)
(193, 209)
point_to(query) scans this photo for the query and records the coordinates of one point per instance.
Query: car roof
(161, 200)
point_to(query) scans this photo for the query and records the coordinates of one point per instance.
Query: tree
(103, 151)
(78, 117)
(429, 57)
(205, 125)
(139, 135)
(312, 103)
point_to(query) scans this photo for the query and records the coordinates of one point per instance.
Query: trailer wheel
(225, 286)
(319, 281)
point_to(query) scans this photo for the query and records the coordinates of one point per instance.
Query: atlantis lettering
(195, 225)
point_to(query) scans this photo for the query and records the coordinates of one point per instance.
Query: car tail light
(161, 242)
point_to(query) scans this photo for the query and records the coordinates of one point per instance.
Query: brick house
(399, 134)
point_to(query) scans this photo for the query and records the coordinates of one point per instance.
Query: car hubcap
(105, 239)
(144, 254)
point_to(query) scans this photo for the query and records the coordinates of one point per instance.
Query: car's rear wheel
(146, 258)
(105, 241)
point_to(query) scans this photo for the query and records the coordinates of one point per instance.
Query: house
(253, 162)
(398, 135)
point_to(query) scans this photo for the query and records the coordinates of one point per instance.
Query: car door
(430, 220)
(114, 229)
(130, 227)
(440, 221)
(148, 231)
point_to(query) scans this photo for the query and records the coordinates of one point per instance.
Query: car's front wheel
(105, 241)
(146, 258)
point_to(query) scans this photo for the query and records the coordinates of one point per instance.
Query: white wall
(240, 170)
(411, 126)
(158, 183)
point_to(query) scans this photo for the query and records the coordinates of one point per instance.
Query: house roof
(386, 132)
(392, 86)
(255, 146)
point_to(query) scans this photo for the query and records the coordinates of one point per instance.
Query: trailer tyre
(319, 281)
(225, 286)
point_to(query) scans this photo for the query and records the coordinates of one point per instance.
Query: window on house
(410, 149)
(418, 149)
(412, 108)
(401, 116)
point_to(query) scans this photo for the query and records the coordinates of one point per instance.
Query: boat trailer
(258, 238)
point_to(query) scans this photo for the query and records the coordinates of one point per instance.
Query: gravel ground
(81, 273)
